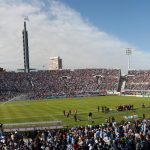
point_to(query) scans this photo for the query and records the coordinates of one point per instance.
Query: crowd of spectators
(133, 135)
(138, 80)
(43, 84)
(79, 82)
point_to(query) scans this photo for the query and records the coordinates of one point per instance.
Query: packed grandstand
(80, 82)
(55, 83)
(108, 136)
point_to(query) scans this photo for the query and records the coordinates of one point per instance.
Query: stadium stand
(133, 135)
(126, 135)
(138, 82)
(47, 84)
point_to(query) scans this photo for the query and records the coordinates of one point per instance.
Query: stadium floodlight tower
(128, 53)
(25, 47)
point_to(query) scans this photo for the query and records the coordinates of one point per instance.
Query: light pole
(128, 53)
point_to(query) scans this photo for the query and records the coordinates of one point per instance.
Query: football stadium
(74, 109)
(75, 104)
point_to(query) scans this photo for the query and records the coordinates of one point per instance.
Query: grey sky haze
(58, 30)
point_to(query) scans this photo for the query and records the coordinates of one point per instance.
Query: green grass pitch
(52, 109)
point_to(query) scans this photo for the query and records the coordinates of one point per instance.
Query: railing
(30, 126)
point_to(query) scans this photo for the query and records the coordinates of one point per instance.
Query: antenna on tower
(26, 18)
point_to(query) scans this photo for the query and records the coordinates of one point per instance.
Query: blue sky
(84, 33)
(126, 19)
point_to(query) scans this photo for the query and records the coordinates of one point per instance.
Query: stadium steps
(122, 83)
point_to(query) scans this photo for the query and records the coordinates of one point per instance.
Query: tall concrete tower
(25, 48)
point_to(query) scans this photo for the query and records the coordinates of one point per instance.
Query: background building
(55, 63)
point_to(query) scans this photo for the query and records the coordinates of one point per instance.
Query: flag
(26, 18)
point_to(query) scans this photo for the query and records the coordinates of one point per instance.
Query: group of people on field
(124, 107)
(70, 113)
(105, 109)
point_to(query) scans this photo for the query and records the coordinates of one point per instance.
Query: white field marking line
(52, 116)
(3, 103)
(8, 118)
(37, 116)
(30, 117)
(82, 112)
(7, 101)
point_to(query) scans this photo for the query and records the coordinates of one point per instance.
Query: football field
(52, 109)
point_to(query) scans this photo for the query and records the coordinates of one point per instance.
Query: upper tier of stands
(138, 80)
(46, 84)
(43, 84)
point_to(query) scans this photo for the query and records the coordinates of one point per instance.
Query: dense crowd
(133, 135)
(79, 82)
(43, 84)
(138, 80)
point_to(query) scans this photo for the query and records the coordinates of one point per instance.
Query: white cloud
(57, 30)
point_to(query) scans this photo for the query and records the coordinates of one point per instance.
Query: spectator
(55, 83)
(124, 135)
